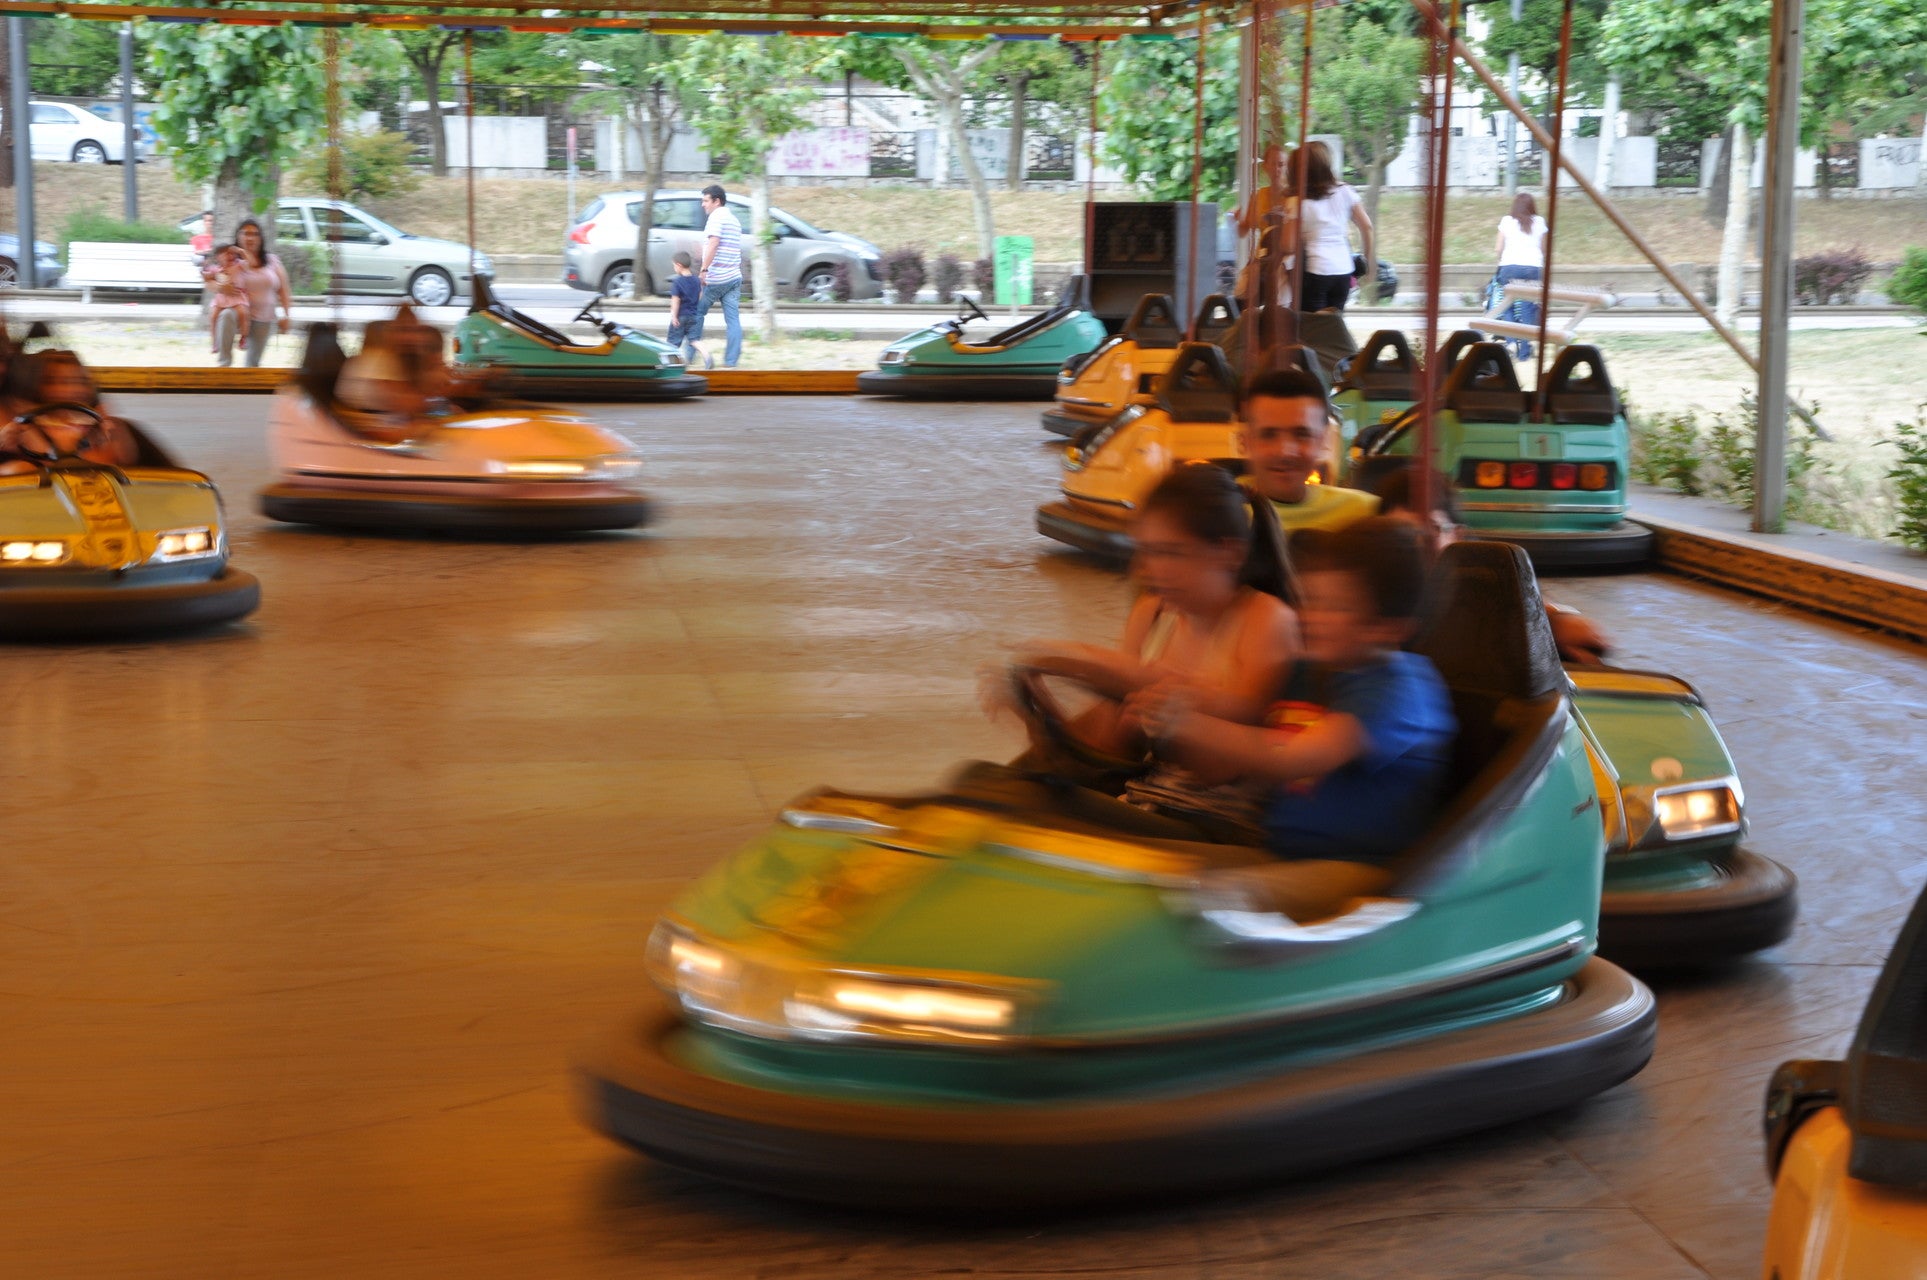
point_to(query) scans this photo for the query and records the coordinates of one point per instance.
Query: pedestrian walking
(722, 273)
(685, 324)
(1330, 210)
(1522, 256)
(270, 301)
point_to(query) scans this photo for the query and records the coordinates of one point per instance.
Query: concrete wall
(1635, 160)
(1887, 163)
(501, 142)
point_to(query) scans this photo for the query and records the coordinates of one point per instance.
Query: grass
(518, 215)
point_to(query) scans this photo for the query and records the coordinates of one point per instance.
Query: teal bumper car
(1017, 363)
(1680, 890)
(961, 1000)
(518, 355)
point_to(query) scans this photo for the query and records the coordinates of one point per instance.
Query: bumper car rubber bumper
(1625, 545)
(86, 613)
(959, 386)
(1047, 1155)
(594, 386)
(1068, 422)
(1099, 533)
(373, 508)
(1751, 908)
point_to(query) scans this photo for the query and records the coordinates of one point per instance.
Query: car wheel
(89, 153)
(9, 275)
(618, 281)
(431, 287)
(818, 284)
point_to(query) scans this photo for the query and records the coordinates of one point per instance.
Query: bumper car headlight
(671, 360)
(541, 469)
(618, 466)
(41, 552)
(836, 1006)
(893, 357)
(1683, 812)
(185, 544)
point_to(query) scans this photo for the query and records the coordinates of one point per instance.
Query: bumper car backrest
(1267, 565)
(1216, 315)
(1328, 335)
(1028, 327)
(1578, 390)
(1198, 387)
(1456, 344)
(1383, 369)
(1485, 629)
(1076, 293)
(1154, 324)
(1884, 1095)
(1484, 386)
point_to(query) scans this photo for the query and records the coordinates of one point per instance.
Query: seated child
(51, 378)
(1357, 748)
(227, 300)
(378, 396)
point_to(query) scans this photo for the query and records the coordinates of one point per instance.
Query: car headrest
(1484, 626)
(1199, 386)
(1456, 344)
(1484, 386)
(1155, 322)
(1268, 565)
(1216, 315)
(1578, 390)
(1883, 1098)
(1383, 369)
(1327, 334)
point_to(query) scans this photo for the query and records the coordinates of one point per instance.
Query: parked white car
(63, 131)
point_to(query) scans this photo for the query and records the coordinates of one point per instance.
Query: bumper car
(1018, 363)
(955, 1000)
(495, 473)
(521, 356)
(91, 550)
(1556, 487)
(1092, 388)
(1190, 415)
(1846, 1142)
(1680, 891)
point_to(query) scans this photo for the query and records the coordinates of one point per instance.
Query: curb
(756, 382)
(1858, 593)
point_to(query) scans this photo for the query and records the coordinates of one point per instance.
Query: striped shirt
(727, 265)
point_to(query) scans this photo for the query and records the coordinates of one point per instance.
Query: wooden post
(1776, 264)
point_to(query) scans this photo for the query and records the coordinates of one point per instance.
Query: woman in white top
(1522, 256)
(1331, 210)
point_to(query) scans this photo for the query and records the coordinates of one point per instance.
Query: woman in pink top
(266, 285)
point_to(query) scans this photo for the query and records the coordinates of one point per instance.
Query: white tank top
(1519, 248)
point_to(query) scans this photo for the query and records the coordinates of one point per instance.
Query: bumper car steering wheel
(27, 430)
(968, 310)
(1045, 713)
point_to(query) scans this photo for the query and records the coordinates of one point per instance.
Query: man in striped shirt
(722, 273)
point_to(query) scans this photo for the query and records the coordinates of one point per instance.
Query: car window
(290, 225)
(589, 214)
(338, 224)
(674, 215)
(797, 225)
(47, 113)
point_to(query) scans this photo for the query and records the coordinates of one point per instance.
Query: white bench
(1529, 291)
(95, 264)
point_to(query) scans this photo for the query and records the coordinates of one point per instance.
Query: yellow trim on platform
(758, 382)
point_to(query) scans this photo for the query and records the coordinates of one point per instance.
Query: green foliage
(306, 265)
(235, 103)
(1909, 476)
(373, 165)
(523, 58)
(1366, 88)
(1535, 38)
(94, 225)
(1908, 285)
(903, 271)
(753, 90)
(947, 276)
(1145, 111)
(1678, 452)
(1666, 451)
(74, 59)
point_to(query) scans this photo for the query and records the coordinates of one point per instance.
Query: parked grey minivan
(599, 253)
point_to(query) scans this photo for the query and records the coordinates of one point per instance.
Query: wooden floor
(301, 923)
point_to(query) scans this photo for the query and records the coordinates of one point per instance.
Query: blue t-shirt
(1377, 805)
(690, 290)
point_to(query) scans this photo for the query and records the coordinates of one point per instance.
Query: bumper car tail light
(1523, 475)
(1564, 475)
(1490, 475)
(1595, 475)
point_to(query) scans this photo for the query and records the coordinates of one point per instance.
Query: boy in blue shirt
(685, 321)
(1358, 746)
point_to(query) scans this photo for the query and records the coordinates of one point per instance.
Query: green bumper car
(1680, 892)
(1556, 486)
(521, 356)
(90, 551)
(963, 1000)
(1018, 363)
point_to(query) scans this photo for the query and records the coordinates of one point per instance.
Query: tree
(1029, 70)
(1859, 59)
(1535, 38)
(750, 91)
(235, 104)
(1146, 107)
(653, 90)
(72, 58)
(1365, 92)
(427, 52)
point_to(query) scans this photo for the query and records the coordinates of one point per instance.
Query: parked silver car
(374, 256)
(599, 252)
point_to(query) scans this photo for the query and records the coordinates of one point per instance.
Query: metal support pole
(1247, 184)
(26, 268)
(1511, 122)
(1776, 264)
(129, 133)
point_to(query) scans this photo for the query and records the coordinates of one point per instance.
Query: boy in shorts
(1358, 745)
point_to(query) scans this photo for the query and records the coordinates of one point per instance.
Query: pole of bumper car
(1776, 264)
(1439, 160)
(1512, 124)
(1246, 184)
(331, 61)
(1300, 178)
(129, 135)
(1090, 136)
(1552, 200)
(1251, 109)
(1197, 179)
(468, 122)
(571, 182)
(26, 260)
